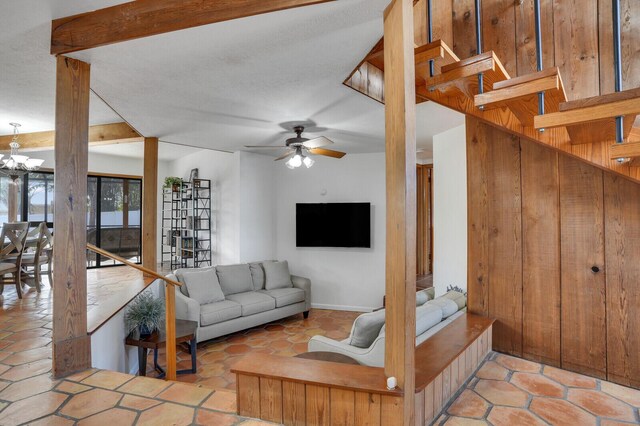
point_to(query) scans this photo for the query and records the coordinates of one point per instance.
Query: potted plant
(173, 182)
(145, 313)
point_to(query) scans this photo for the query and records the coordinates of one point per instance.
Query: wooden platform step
(593, 119)
(629, 149)
(462, 76)
(520, 95)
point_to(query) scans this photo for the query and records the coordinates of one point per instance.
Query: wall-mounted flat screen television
(333, 225)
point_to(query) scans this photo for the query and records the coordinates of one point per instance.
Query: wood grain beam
(143, 18)
(625, 150)
(150, 204)
(71, 343)
(400, 123)
(103, 134)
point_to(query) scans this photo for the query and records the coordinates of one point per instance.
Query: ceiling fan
(299, 148)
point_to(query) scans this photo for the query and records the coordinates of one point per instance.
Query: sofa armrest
(304, 284)
(372, 356)
(186, 308)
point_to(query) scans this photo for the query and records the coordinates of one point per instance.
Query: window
(114, 212)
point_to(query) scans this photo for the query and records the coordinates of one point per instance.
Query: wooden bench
(296, 391)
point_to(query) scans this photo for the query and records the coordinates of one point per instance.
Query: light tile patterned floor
(287, 337)
(511, 391)
(29, 395)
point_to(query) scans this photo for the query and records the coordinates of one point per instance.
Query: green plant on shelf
(173, 182)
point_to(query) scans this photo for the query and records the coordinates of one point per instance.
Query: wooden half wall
(554, 255)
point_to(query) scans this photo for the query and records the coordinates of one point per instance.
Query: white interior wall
(342, 278)
(450, 209)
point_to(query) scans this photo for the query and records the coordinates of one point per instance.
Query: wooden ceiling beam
(143, 18)
(103, 134)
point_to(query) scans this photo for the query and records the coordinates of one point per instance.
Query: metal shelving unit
(186, 225)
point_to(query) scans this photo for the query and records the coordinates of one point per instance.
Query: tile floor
(29, 395)
(504, 391)
(287, 337)
(511, 391)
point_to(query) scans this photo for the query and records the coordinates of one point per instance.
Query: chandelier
(18, 165)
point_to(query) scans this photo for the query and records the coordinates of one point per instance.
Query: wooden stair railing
(170, 308)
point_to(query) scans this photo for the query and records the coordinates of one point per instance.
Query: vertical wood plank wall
(554, 250)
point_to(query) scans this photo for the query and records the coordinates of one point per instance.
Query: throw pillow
(422, 297)
(235, 278)
(366, 328)
(202, 285)
(448, 306)
(257, 276)
(277, 275)
(426, 317)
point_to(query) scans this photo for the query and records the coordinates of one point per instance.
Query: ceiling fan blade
(317, 142)
(287, 155)
(264, 147)
(327, 152)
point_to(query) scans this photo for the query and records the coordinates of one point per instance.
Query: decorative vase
(144, 331)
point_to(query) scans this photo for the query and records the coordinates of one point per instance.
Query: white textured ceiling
(166, 151)
(220, 86)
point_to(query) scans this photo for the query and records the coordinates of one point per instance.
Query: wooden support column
(150, 204)
(71, 343)
(400, 116)
(12, 201)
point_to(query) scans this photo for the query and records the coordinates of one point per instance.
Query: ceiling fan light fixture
(308, 162)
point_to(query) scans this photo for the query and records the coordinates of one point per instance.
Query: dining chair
(13, 238)
(41, 240)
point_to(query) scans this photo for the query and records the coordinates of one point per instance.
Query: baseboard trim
(342, 307)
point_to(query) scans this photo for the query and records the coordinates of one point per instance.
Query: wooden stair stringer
(597, 154)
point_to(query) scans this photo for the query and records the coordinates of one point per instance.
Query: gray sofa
(366, 342)
(230, 298)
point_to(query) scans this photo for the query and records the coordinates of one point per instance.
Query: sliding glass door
(114, 213)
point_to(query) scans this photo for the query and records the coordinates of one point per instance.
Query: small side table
(185, 332)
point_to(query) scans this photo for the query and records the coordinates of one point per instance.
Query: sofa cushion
(257, 276)
(456, 296)
(253, 302)
(448, 306)
(366, 328)
(277, 275)
(202, 284)
(423, 296)
(286, 296)
(426, 317)
(215, 313)
(235, 278)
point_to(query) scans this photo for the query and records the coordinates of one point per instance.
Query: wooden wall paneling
(583, 325)
(541, 254)
(630, 39)
(576, 46)
(505, 240)
(438, 403)
(342, 407)
(499, 31)
(400, 143)
(420, 28)
(429, 403)
(464, 29)
(150, 204)
(419, 396)
(443, 20)
(71, 343)
(271, 400)
(391, 412)
(367, 409)
(293, 404)
(622, 226)
(318, 405)
(248, 389)
(526, 36)
(446, 385)
(478, 226)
